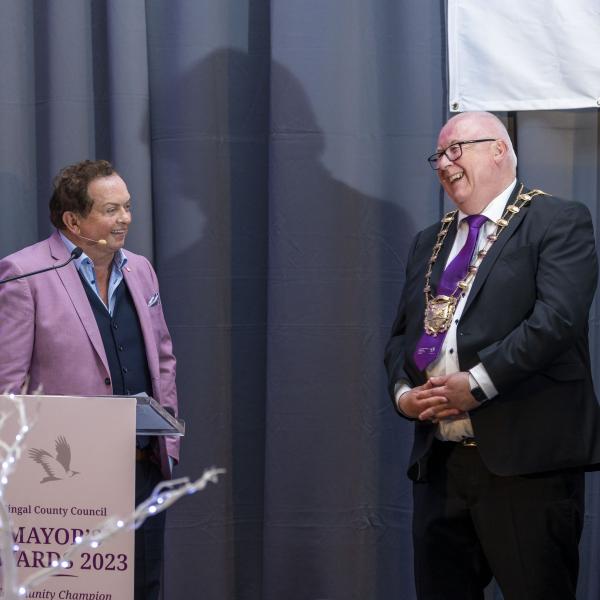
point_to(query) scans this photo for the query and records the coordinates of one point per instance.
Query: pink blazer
(48, 330)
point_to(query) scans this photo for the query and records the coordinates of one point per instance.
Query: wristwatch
(478, 394)
(476, 391)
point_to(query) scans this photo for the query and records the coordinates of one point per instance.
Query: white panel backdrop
(510, 55)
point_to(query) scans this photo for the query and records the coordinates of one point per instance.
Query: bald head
(488, 125)
(483, 164)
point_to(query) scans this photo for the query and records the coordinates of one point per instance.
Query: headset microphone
(100, 242)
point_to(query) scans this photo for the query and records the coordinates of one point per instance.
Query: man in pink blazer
(94, 327)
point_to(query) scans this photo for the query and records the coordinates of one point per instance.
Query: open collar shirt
(85, 266)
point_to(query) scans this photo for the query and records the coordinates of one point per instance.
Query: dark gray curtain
(275, 153)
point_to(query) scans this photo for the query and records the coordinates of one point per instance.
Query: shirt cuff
(400, 389)
(482, 379)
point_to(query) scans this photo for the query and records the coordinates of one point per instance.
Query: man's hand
(455, 389)
(420, 399)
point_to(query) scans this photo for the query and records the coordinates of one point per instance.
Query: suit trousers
(149, 538)
(470, 525)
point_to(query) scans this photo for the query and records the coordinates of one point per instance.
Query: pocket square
(154, 300)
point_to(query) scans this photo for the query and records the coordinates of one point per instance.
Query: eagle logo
(56, 467)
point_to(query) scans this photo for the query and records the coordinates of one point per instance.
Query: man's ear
(500, 150)
(71, 221)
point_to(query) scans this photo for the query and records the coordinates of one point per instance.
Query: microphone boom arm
(75, 253)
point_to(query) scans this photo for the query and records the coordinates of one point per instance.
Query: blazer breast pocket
(154, 300)
(513, 278)
(520, 261)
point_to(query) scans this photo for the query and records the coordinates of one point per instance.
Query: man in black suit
(489, 356)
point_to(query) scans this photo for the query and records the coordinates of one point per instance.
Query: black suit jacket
(526, 320)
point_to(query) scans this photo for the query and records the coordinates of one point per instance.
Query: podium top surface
(154, 419)
(151, 418)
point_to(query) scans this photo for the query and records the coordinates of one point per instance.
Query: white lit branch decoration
(164, 495)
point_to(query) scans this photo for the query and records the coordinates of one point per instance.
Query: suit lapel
(496, 249)
(74, 288)
(141, 307)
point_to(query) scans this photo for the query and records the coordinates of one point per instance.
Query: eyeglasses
(453, 152)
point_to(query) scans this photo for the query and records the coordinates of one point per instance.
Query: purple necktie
(429, 346)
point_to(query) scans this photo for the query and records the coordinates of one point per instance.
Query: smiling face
(108, 219)
(484, 169)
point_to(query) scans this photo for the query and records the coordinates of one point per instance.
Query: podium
(76, 470)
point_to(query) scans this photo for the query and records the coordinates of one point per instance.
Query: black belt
(465, 443)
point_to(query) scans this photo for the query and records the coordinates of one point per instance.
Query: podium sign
(77, 469)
